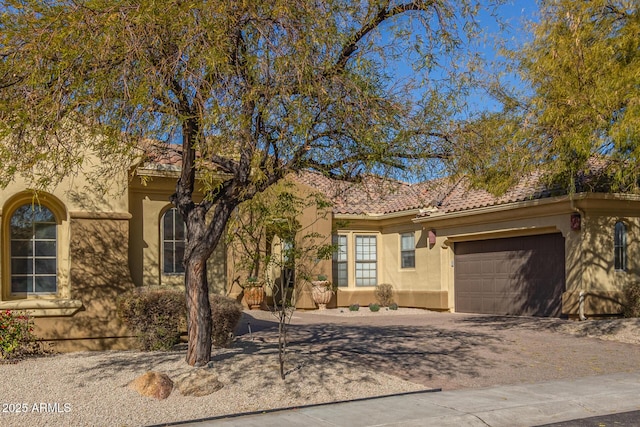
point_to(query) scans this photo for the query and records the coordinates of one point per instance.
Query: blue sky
(513, 15)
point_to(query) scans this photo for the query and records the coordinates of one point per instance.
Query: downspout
(582, 293)
(581, 315)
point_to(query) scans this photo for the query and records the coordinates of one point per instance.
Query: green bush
(16, 334)
(374, 307)
(393, 306)
(158, 316)
(226, 313)
(154, 316)
(384, 294)
(354, 307)
(631, 305)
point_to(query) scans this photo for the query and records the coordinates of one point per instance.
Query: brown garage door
(518, 275)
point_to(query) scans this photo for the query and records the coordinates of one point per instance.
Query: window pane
(42, 214)
(168, 257)
(21, 248)
(46, 248)
(45, 284)
(342, 274)
(408, 259)
(45, 266)
(179, 226)
(167, 224)
(20, 284)
(407, 242)
(45, 231)
(22, 266)
(179, 257)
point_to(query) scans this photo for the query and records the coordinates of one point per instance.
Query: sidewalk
(514, 405)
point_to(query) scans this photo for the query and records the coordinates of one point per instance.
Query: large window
(173, 239)
(620, 246)
(366, 261)
(407, 250)
(340, 269)
(33, 251)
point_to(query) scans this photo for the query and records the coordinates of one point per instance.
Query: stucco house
(445, 246)
(69, 253)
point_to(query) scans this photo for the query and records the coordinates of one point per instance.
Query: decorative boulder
(153, 384)
(200, 382)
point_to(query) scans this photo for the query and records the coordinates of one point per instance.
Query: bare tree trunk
(198, 312)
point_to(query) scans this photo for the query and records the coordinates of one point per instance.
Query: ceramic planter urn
(254, 296)
(321, 293)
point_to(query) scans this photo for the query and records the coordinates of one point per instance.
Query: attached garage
(515, 276)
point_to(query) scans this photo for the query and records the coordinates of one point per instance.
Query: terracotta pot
(254, 296)
(321, 293)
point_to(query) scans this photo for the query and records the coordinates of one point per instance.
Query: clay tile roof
(376, 195)
(162, 156)
(373, 195)
(462, 197)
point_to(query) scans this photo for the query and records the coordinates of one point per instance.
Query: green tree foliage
(581, 73)
(258, 89)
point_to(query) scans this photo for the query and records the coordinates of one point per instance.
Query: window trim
(174, 211)
(336, 262)
(364, 261)
(34, 257)
(620, 246)
(411, 251)
(60, 303)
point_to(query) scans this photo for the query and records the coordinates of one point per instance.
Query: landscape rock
(153, 384)
(199, 382)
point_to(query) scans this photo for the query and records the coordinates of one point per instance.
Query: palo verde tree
(580, 71)
(251, 90)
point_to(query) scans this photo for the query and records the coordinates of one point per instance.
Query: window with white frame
(620, 246)
(173, 242)
(407, 250)
(366, 261)
(340, 261)
(33, 250)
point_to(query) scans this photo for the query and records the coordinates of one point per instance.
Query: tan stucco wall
(149, 200)
(99, 275)
(421, 286)
(588, 251)
(92, 268)
(595, 274)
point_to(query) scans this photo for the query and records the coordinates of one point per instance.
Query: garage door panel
(520, 276)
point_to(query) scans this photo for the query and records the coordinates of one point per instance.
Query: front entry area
(510, 276)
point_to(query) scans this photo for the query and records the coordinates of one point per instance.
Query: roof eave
(376, 216)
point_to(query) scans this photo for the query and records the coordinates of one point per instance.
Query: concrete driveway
(452, 351)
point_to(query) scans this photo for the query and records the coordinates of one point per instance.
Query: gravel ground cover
(333, 355)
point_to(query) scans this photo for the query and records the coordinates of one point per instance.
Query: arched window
(173, 239)
(33, 249)
(620, 246)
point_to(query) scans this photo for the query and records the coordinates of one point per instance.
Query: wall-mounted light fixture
(576, 221)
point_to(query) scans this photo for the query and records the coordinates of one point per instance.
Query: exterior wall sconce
(576, 221)
(432, 237)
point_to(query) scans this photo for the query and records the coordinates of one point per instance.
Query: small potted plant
(321, 291)
(253, 293)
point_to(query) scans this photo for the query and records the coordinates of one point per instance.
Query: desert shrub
(384, 294)
(374, 307)
(354, 307)
(631, 304)
(154, 316)
(226, 313)
(16, 335)
(393, 306)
